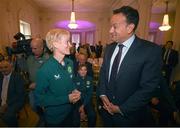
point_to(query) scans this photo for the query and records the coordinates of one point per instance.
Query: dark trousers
(141, 118)
(166, 114)
(67, 122)
(40, 113)
(10, 118)
(91, 115)
(168, 70)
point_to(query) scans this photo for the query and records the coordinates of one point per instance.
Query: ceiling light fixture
(72, 24)
(165, 25)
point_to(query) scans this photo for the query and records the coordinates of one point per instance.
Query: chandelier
(165, 24)
(72, 24)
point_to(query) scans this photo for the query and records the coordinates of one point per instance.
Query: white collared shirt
(127, 44)
(5, 86)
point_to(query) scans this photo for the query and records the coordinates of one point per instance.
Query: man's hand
(105, 101)
(155, 101)
(32, 86)
(113, 109)
(107, 105)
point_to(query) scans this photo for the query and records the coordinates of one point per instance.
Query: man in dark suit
(99, 49)
(170, 60)
(130, 72)
(12, 94)
(164, 103)
(82, 59)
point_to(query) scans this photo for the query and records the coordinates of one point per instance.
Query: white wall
(11, 12)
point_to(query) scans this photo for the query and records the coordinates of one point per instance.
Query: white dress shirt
(5, 86)
(127, 44)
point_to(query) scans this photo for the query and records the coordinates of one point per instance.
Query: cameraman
(34, 62)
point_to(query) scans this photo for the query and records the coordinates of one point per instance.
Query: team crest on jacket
(88, 82)
(78, 83)
(69, 69)
(57, 77)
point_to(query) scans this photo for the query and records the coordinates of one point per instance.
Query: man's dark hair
(170, 41)
(132, 15)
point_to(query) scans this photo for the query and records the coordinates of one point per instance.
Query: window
(90, 38)
(84, 37)
(76, 38)
(25, 29)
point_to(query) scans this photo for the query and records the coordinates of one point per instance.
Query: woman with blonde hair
(55, 91)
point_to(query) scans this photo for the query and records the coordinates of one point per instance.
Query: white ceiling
(79, 5)
(96, 5)
(159, 6)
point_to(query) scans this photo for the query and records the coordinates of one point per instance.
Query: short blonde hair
(55, 35)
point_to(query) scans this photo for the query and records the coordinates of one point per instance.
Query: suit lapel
(129, 55)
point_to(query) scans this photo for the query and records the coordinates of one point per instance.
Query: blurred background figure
(170, 60)
(82, 59)
(164, 105)
(34, 62)
(84, 84)
(99, 49)
(12, 94)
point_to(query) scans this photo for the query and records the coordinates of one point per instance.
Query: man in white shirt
(130, 72)
(12, 93)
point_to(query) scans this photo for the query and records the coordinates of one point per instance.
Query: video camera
(21, 46)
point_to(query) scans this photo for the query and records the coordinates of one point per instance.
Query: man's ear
(130, 28)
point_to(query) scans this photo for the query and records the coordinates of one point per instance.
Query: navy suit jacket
(137, 78)
(16, 92)
(173, 57)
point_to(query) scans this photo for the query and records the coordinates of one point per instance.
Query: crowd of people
(131, 82)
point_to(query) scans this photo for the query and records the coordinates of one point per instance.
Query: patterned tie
(114, 69)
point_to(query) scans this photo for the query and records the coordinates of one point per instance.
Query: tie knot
(120, 46)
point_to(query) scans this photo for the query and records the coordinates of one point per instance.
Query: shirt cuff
(121, 112)
(102, 95)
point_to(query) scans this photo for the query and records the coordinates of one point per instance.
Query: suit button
(113, 97)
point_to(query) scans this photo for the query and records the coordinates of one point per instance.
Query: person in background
(82, 59)
(72, 54)
(129, 74)
(170, 60)
(34, 62)
(164, 102)
(12, 94)
(85, 86)
(55, 91)
(99, 49)
(92, 49)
